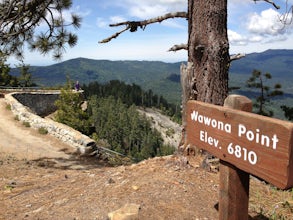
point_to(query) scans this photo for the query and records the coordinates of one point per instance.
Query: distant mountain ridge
(163, 78)
(277, 62)
(148, 74)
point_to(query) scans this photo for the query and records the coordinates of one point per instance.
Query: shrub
(26, 124)
(170, 132)
(8, 107)
(43, 130)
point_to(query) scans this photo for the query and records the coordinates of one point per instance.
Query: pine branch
(132, 26)
(20, 21)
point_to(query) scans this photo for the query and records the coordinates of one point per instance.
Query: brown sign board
(259, 145)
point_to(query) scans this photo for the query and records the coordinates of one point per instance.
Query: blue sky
(253, 27)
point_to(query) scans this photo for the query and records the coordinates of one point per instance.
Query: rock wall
(41, 104)
(83, 144)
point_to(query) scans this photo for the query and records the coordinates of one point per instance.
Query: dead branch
(286, 18)
(270, 2)
(236, 56)
(134, 25)
(179, 47)
(113, 36)
(185, 47)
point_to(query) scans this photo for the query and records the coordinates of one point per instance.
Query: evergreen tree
(257, 81)
(20, 23)
(288, 111)
(25, 78)
(132, 94)
(5, 78)
(125, 130)
(70, 112)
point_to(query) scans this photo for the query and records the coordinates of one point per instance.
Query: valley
(164, 78)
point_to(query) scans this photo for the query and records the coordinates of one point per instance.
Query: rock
(127, 212)
(135, 188)
(110, 181)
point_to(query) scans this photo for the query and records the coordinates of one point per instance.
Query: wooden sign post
(234, 183)
(245, 143)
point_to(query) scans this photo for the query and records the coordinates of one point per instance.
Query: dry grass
(269, 202)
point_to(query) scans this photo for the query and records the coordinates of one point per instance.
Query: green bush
(170, 132)
(8, 107)
(26, 124)
(43, 130)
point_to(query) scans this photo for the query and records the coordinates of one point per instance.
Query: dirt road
(25, 142)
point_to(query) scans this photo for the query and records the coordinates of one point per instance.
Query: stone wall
(41, 104)
(83, 144)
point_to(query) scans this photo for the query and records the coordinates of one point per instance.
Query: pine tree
(20, 23)
(70, 112)
(257, 81)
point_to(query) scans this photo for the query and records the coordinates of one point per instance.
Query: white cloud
(144, 9)
(147, 11)
(256, 38)
(276, 39)
(102, 23)
(259, 31)
(81, 12)
(117, 19)
(175, 24)
(236, 39)
(266, 23)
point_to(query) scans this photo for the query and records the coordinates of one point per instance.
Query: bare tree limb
(286, 18)
(134, 25)
(113, 36)
(270, 2)
(179, 47)
(185, 47)
(236, 56)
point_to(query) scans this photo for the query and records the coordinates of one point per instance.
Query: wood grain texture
(263, 145)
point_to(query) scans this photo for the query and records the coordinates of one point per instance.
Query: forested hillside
(164, 78)
(147, 74)
(112, 119)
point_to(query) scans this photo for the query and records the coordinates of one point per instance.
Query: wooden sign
(259, 145)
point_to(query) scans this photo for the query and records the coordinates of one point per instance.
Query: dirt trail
(25, 142)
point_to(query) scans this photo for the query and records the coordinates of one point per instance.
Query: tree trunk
(208, 49)
(206, 76)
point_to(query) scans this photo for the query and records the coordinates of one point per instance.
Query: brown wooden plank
(256, 144)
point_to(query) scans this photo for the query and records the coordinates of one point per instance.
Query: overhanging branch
(134, 25)
(270, 2)
(113, 36)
